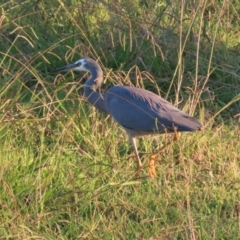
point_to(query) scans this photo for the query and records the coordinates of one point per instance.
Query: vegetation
(67, 171)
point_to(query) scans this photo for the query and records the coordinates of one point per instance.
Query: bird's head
(84, 64)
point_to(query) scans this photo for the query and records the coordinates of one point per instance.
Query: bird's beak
(65, 68)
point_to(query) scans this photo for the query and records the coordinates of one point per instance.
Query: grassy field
(68, 171)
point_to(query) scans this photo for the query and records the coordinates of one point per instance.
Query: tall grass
(67, 171)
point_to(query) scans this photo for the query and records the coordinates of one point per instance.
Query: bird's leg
(139, 164)
(151, 164)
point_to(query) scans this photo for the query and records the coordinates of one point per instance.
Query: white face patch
(80, 65)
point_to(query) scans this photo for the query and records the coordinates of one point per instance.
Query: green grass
(68, 171)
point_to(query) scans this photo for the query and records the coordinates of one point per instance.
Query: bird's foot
(151, 164)
(176, 136)
(137, 174)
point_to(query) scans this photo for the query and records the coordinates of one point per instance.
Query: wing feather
(142, 110)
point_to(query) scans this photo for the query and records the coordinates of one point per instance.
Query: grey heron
(138, 111)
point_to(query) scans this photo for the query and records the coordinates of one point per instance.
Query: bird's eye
(79, 64)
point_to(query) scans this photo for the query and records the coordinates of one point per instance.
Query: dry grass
(66, 169)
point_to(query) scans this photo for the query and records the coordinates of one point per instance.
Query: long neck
(90, 87)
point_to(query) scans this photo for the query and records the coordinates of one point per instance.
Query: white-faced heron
(138, 111)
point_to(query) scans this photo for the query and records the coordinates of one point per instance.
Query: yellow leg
(151, 164)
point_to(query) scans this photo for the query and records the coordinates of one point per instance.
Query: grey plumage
(138, 111)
